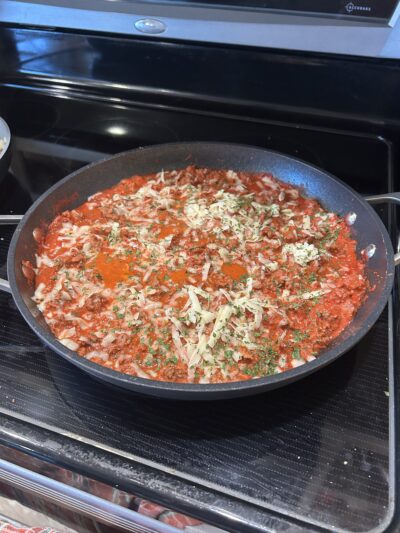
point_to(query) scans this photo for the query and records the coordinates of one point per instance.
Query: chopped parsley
(118, 313)
(296, 353)
(299, 336)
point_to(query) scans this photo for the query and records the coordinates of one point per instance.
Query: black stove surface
(317, 451)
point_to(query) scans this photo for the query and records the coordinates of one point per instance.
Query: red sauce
(234, 271)
(112, 270)
(178, 276)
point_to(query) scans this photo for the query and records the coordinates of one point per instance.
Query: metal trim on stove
(343, 34)
(79, 501)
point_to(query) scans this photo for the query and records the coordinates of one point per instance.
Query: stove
(317, 455)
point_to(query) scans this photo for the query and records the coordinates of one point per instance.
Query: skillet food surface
(198, 276)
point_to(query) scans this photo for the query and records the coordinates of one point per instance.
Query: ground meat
(95, 302)
(174, 373)
(75, 258)
(28, 272)
(120, 344)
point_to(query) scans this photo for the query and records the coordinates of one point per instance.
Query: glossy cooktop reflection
(317, 450)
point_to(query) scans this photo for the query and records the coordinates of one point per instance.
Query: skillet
(368, 230)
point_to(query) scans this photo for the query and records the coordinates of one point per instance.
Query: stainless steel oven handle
(4, 221)
(393, 197)
(79, 501)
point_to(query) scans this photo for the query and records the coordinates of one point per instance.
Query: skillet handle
(6, 220)
(382, 198)
(393, 197)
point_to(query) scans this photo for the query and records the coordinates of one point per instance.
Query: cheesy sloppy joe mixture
(198, 276)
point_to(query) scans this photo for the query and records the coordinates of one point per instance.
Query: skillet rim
(190, 390)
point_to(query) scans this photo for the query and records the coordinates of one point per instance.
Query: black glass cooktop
(317, 451)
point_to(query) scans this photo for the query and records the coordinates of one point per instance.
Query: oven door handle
(79, 501)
